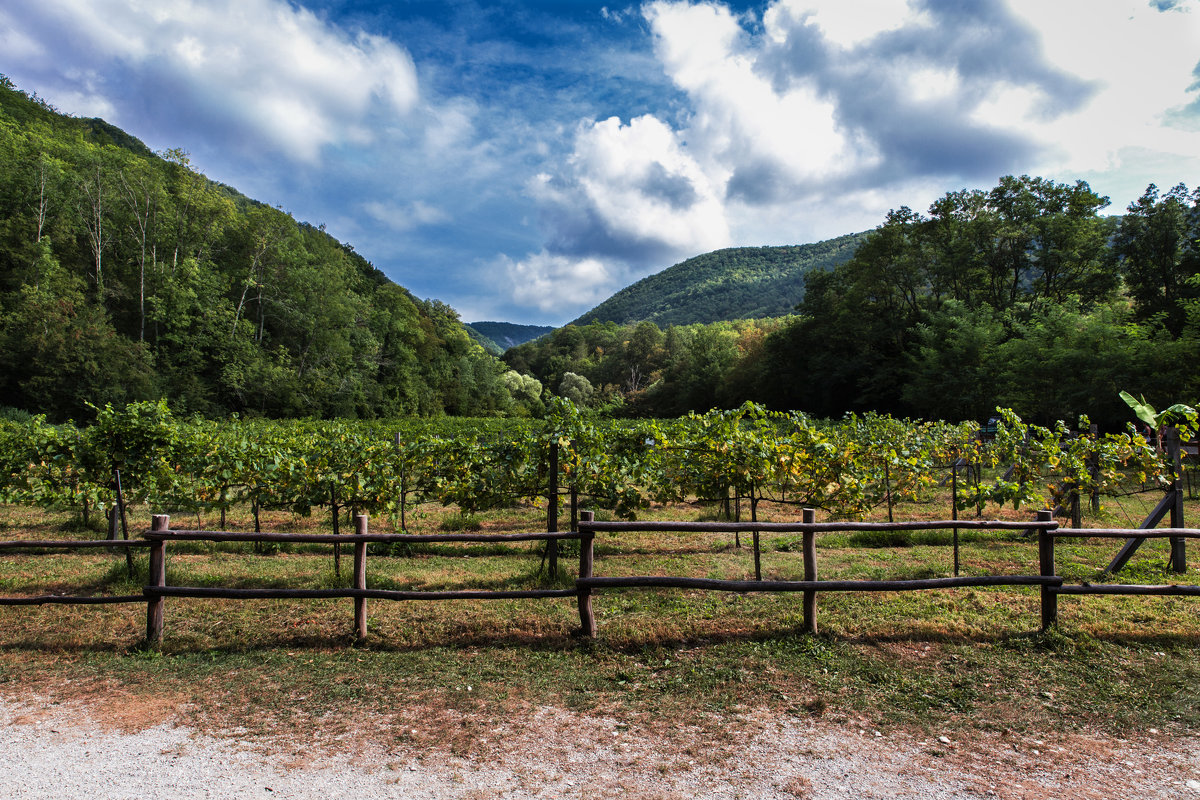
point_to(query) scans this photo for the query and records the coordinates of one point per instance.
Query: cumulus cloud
(554, 283)
(630, 196)
(644, 188)
(858, 94)
(630, 192)
(256, 73)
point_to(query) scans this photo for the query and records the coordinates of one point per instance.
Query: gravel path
(77, 752)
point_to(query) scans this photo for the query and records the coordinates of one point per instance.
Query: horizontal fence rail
(73, 600)
(74, 544)
(815, 527)
(1049, 584)
(908, 585)
(368, 538)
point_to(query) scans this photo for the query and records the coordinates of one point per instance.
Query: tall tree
(1156, 248)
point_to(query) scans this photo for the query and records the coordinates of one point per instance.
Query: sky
(522, 161)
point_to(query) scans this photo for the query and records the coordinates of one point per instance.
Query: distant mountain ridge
(735, 283)
(508, 334)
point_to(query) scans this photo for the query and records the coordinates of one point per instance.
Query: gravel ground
(77, 751)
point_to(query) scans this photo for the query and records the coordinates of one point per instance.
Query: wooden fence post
(360, 578)
(337, 548)
(156, 605)
(1178, 543)
(754, 518)
(1046, 567)
(552, 509)
(587, 560)
(574, 507)
(1076, 510)
(954, 511)
(810, 571)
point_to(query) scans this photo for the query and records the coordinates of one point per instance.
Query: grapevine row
(848, 467)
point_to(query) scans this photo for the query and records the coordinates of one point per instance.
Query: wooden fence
(811, 585)
(587, 583)
(160, 535)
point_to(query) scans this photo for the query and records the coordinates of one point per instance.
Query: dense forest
(1023, 296)
(736, 283)
(125, 275)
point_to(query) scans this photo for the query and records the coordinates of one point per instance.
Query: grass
(937, 659)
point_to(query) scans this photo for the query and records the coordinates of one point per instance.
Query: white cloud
(406, 216)
(847, 24)
(629, 197)
(1142, 62)
(263, 70)
(739, 118)
(556, 283)
(643, 186)
(15, 43)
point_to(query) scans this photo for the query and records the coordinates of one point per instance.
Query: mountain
(509, 334)
(737, 283)
(125, 275)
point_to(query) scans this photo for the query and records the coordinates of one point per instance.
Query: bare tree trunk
(92, 212)
(139, 197)
(43, 202)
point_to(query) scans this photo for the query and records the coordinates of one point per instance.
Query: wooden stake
(1046, 564)
(754, 518)
(552, 509)
(360, 578)
(587, 619)
(1178, 545)
(337, 548)
(156, 605)
(810, 571)
(954, 512)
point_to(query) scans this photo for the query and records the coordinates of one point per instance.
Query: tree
(577, 389)
(1156, 249)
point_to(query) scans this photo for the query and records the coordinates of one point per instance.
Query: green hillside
(125, 275)
(509, 334)
(737, 283)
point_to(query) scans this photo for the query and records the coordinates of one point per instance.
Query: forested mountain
(736, 283)
(509, 334)
(1023, 296)
(126, 275)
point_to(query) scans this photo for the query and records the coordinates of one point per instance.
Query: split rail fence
(1050, 585)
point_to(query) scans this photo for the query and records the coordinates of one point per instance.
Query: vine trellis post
(1172, 503)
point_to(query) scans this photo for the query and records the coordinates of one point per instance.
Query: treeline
(126, 275)
(1022, 296)
(644, 370)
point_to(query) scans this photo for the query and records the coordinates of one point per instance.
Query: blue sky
(524, 160)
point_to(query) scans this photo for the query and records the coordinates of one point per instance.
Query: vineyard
(687, 621)
(143, 454)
